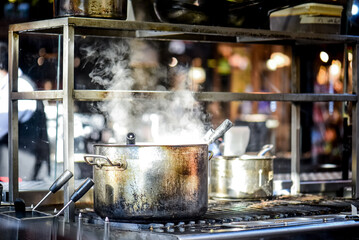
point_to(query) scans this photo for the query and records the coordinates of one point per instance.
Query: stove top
(301, 217)
(234, 219)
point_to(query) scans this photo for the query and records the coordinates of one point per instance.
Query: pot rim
(147, 145)
(247, 158)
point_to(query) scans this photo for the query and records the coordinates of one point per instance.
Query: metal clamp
(120, 163)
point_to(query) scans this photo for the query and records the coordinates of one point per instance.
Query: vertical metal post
(13, 135)
(355, 130)
(295, 126)
(68, 117)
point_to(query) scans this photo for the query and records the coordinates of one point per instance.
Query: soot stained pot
(144, 181)
(116, 9)
(150, 181)
(247, 176)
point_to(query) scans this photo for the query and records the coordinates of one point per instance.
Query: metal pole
(68, 117)
(355, 130)
(295, 126)
(13, 135)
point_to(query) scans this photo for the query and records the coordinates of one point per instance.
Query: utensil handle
(79, 192)
(60, 181)
(221, 130)
(90, 160)
(82, 189)
(265, 149)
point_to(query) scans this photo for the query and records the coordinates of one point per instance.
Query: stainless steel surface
(34, 225)
(13, 134)
(278, 231)
(355, 126)
(237, 177)
(38, 95)
(42, 200)
(314, 186)
(219, 131)
(160, 181)
(101, 95)
(68, 112)
(295, 126)
(64, 208)
(196, 32)
(91, 8)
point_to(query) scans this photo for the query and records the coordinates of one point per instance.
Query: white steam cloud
(175, 119)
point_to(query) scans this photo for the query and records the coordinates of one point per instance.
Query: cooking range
(279, 218)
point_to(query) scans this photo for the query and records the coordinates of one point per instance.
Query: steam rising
(176, 119)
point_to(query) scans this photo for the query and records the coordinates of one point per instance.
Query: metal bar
(39, 25)
(100, 95)
(355, 129)
(13, 135)
(270, 232)
(38, 95)
(323, 186)
(346, 153)
(171, 29)
(295, 126)
(68, 114)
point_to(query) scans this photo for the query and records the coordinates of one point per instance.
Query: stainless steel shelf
(101, 95)
(156, 30)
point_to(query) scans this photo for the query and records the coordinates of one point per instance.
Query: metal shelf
(102, 95)
(155, 30)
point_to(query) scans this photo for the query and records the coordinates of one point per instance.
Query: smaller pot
(116, 9)
(246, 176)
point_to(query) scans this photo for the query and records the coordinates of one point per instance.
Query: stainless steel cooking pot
(246, 176)
(142, 181)
(150, 181)
(91, 8)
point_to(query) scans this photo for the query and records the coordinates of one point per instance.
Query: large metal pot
(247, 176)
(150, 181)
(91, 8)
(142, 181)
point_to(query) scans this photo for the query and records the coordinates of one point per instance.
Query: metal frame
(71, 26)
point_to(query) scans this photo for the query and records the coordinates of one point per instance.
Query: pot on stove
(246, 176)
(147, 181)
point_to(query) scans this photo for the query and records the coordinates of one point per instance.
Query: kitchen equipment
(19, 208)
(246, 176)
(91, 8)
(60, 181)
(79, 192)
(148, 181)
(31, 224)
(180, 11)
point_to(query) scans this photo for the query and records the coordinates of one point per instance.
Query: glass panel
(35, 158)
(38, 61)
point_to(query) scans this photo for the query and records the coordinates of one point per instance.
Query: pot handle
(210, 155)
(90, 160)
